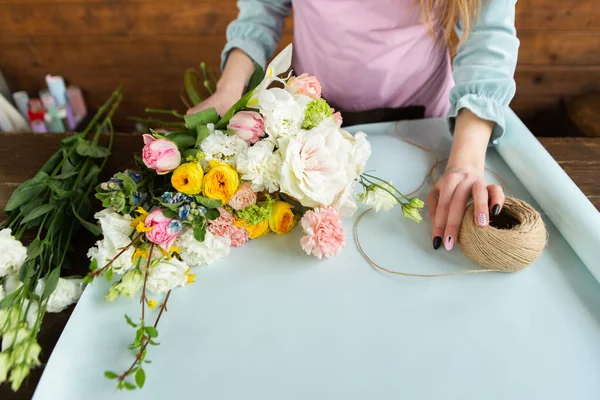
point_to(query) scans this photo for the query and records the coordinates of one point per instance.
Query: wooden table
(21, 155)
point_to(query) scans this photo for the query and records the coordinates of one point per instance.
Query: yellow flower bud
(187, 178)
(283, 219)
(220, 182)
(255, 231)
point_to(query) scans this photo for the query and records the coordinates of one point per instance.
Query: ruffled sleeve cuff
(483, 107)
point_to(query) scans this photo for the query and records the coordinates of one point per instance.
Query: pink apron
(371, 54)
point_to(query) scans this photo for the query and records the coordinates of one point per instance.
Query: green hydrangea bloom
(316, 111)
(257, 213)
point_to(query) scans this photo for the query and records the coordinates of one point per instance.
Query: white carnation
(116, 229)
(261, 166)
(196, 253)
(379, 198)
(283, 114)
(224, 148)
(67, 292)
(167, 275)
(12, 253)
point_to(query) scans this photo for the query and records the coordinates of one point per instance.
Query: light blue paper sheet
(271, 323)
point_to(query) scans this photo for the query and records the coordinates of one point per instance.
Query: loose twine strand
(477, 249)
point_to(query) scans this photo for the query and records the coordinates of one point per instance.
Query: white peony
(67, 292)
(116, 230)
(12, 253)
(167, 275)
(282, 113)
(221, 147)
(344, 202)
(195, 253)
(379, 198)
(261, 166)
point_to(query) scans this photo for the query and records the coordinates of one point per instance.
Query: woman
(393, 54)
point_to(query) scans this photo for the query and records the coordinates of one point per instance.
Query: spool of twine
(513, 240)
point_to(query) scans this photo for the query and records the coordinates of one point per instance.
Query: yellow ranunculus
(187, 178)
(220, 182)
(255, 231)
(283, 219)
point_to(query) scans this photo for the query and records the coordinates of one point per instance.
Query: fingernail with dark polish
(449, 244)
(496, 209)
(437, 242)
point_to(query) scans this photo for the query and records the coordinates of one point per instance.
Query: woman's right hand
(222, 100)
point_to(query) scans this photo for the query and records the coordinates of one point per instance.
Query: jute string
(513, 240)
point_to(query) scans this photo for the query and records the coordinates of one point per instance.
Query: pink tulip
(248, 125)
(161, 155)
(164, 230)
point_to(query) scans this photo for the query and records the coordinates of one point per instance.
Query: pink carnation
(325, 233)
(224, 227)
(306, 85)
(225, 218)
(243, 197)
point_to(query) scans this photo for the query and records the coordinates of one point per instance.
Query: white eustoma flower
(12, 283)
(6, 363)
(344, 202)
(195, 253)
(67, 292)
(167, 275)
(128, 286)
(224, 148)
(361, 151)
(282, 113)
(13, 337)
(2, 292)
(12, 253)
(379, 198)
(116, 229)
(261, 166)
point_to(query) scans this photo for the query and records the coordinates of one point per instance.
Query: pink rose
(243, 197)
(161, 155)
(248, 125)
(337, 116)
(164, 230)
(325, 233)
(304, 84)
(224, 227)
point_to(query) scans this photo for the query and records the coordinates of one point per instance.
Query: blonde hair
(445, 14)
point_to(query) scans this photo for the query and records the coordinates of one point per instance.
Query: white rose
(261, 166)
(224, 148)
(167, 275)
(316, 166)
(12, 253)
(116, 229)
(196, 253)
(282, 113)
(379, 198)
(67, 292)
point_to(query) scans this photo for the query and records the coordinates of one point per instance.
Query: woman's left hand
(448, 200)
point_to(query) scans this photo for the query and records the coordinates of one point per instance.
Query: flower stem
(381, 180)
(143, 296)
(168, 112)
(97, 272)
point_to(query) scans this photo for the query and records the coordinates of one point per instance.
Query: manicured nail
(437, 242)
(482, 219)
(449, 244)
(496, 209)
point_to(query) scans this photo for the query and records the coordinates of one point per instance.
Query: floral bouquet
(278, 157)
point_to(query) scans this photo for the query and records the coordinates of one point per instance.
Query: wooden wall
(147, 44)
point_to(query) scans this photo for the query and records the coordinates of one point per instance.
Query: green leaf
(91, 175)
(69, 140)
(67, 166)
(34, 249)
(212, 214)
(151, 331)
(203, 117)
(170, 213)
(139, 162)
(148, 361)
(66, 175)
(128, 183)
(109, 274)
(23, 272)
(38, 212)
(199, 233)
(27, 191)
(59, 193)
(208, 203)
(202, 132)
(140, 378)
(138, 337)
(94, 265)
(88, 149)
(9, 300)
(236, 107)
(52, 162)
(129, 386)
(183, 139)
(110, 375)
(130, 321)
(93, 228)
(190, 82)
(51, 283)
(257, 76)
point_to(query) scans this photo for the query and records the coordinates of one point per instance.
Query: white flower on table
(128, 286)
(261, 166)
(167, 274)
(282, 113)
(195, 253)
(12, 253)
(221, 147)
(379, 198)
(67, 292)
(116, 230)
